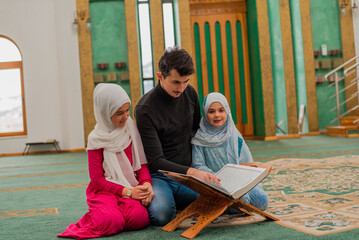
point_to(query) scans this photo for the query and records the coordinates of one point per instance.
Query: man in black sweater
(167, 117)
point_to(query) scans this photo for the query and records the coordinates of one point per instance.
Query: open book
(236, 180)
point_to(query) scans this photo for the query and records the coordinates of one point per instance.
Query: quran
(236, 180)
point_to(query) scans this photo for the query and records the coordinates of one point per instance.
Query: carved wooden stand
(209, 205)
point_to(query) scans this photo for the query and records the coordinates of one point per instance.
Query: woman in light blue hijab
(218, 142)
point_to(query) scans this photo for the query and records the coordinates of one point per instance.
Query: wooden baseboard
(75, 150)
(275, 138)
(313, 133)
(353, 135)
(250, 137)
(271, 138)
(43, 152)
(289, 136)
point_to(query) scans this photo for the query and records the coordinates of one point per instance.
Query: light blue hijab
(210, 136)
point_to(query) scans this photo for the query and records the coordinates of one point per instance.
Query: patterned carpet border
(29, 212)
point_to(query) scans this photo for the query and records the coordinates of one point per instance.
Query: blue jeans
(169, 196)
(255, 197)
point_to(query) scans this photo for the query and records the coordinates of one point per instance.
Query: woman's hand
(145, 202)
(139, 192)
(144, 193)
(209, 177)
(258, 164)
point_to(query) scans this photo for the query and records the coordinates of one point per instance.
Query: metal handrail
(350, 70)
(340, 67)
(347, 100)
(344, 89)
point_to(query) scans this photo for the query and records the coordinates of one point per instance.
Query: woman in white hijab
(120, 185)
(218, 142)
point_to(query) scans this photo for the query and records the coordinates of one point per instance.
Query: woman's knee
(257, 198)
(263, 201)
(137, 218)
(108, 220)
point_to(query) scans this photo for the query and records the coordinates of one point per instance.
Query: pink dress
(109, 212)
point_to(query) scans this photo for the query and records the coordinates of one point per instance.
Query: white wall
(44, 32)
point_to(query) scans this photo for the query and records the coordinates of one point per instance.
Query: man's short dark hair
(178, 59)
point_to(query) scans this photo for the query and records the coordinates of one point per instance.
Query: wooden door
(219, 35)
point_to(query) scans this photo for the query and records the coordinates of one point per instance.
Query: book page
(234, 177)
(215, 186)
(212, 185)
(236, 180)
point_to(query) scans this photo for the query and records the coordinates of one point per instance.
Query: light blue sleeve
(198, 160)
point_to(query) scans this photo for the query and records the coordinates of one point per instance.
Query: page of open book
(234, 177)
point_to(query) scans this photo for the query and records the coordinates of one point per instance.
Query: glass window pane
(168, 25)
(147, 85)
(9, 51)
(146, 48)
(11, 119)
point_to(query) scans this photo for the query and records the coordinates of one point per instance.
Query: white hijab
(108, 98)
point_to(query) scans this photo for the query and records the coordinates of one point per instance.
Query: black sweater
(166, 125)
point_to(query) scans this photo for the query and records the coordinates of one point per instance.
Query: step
(349, 120)
(343, 131)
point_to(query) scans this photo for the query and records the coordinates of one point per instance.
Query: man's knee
(161, 214)
(163, 207)
(161, 218)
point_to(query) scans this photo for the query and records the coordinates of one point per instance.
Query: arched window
(12, 103)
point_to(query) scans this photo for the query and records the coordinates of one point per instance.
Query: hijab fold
(108, 98)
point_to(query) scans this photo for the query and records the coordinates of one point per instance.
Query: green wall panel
(242, 82)
(299, 66)
(109, 38)
(209, 57)
(255, 70)
(325, 104)
(326, 30)
(232, 88)
(280, 99)
(197, 47)
(219, 57)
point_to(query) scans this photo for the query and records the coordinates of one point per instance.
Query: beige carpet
(315, 196)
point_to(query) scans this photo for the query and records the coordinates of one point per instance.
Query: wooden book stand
(208, 206)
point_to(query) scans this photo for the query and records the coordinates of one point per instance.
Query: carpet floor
(313, 189)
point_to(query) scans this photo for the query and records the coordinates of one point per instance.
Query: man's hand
(209, 177)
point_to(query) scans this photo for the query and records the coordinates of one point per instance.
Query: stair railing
(351, 68)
